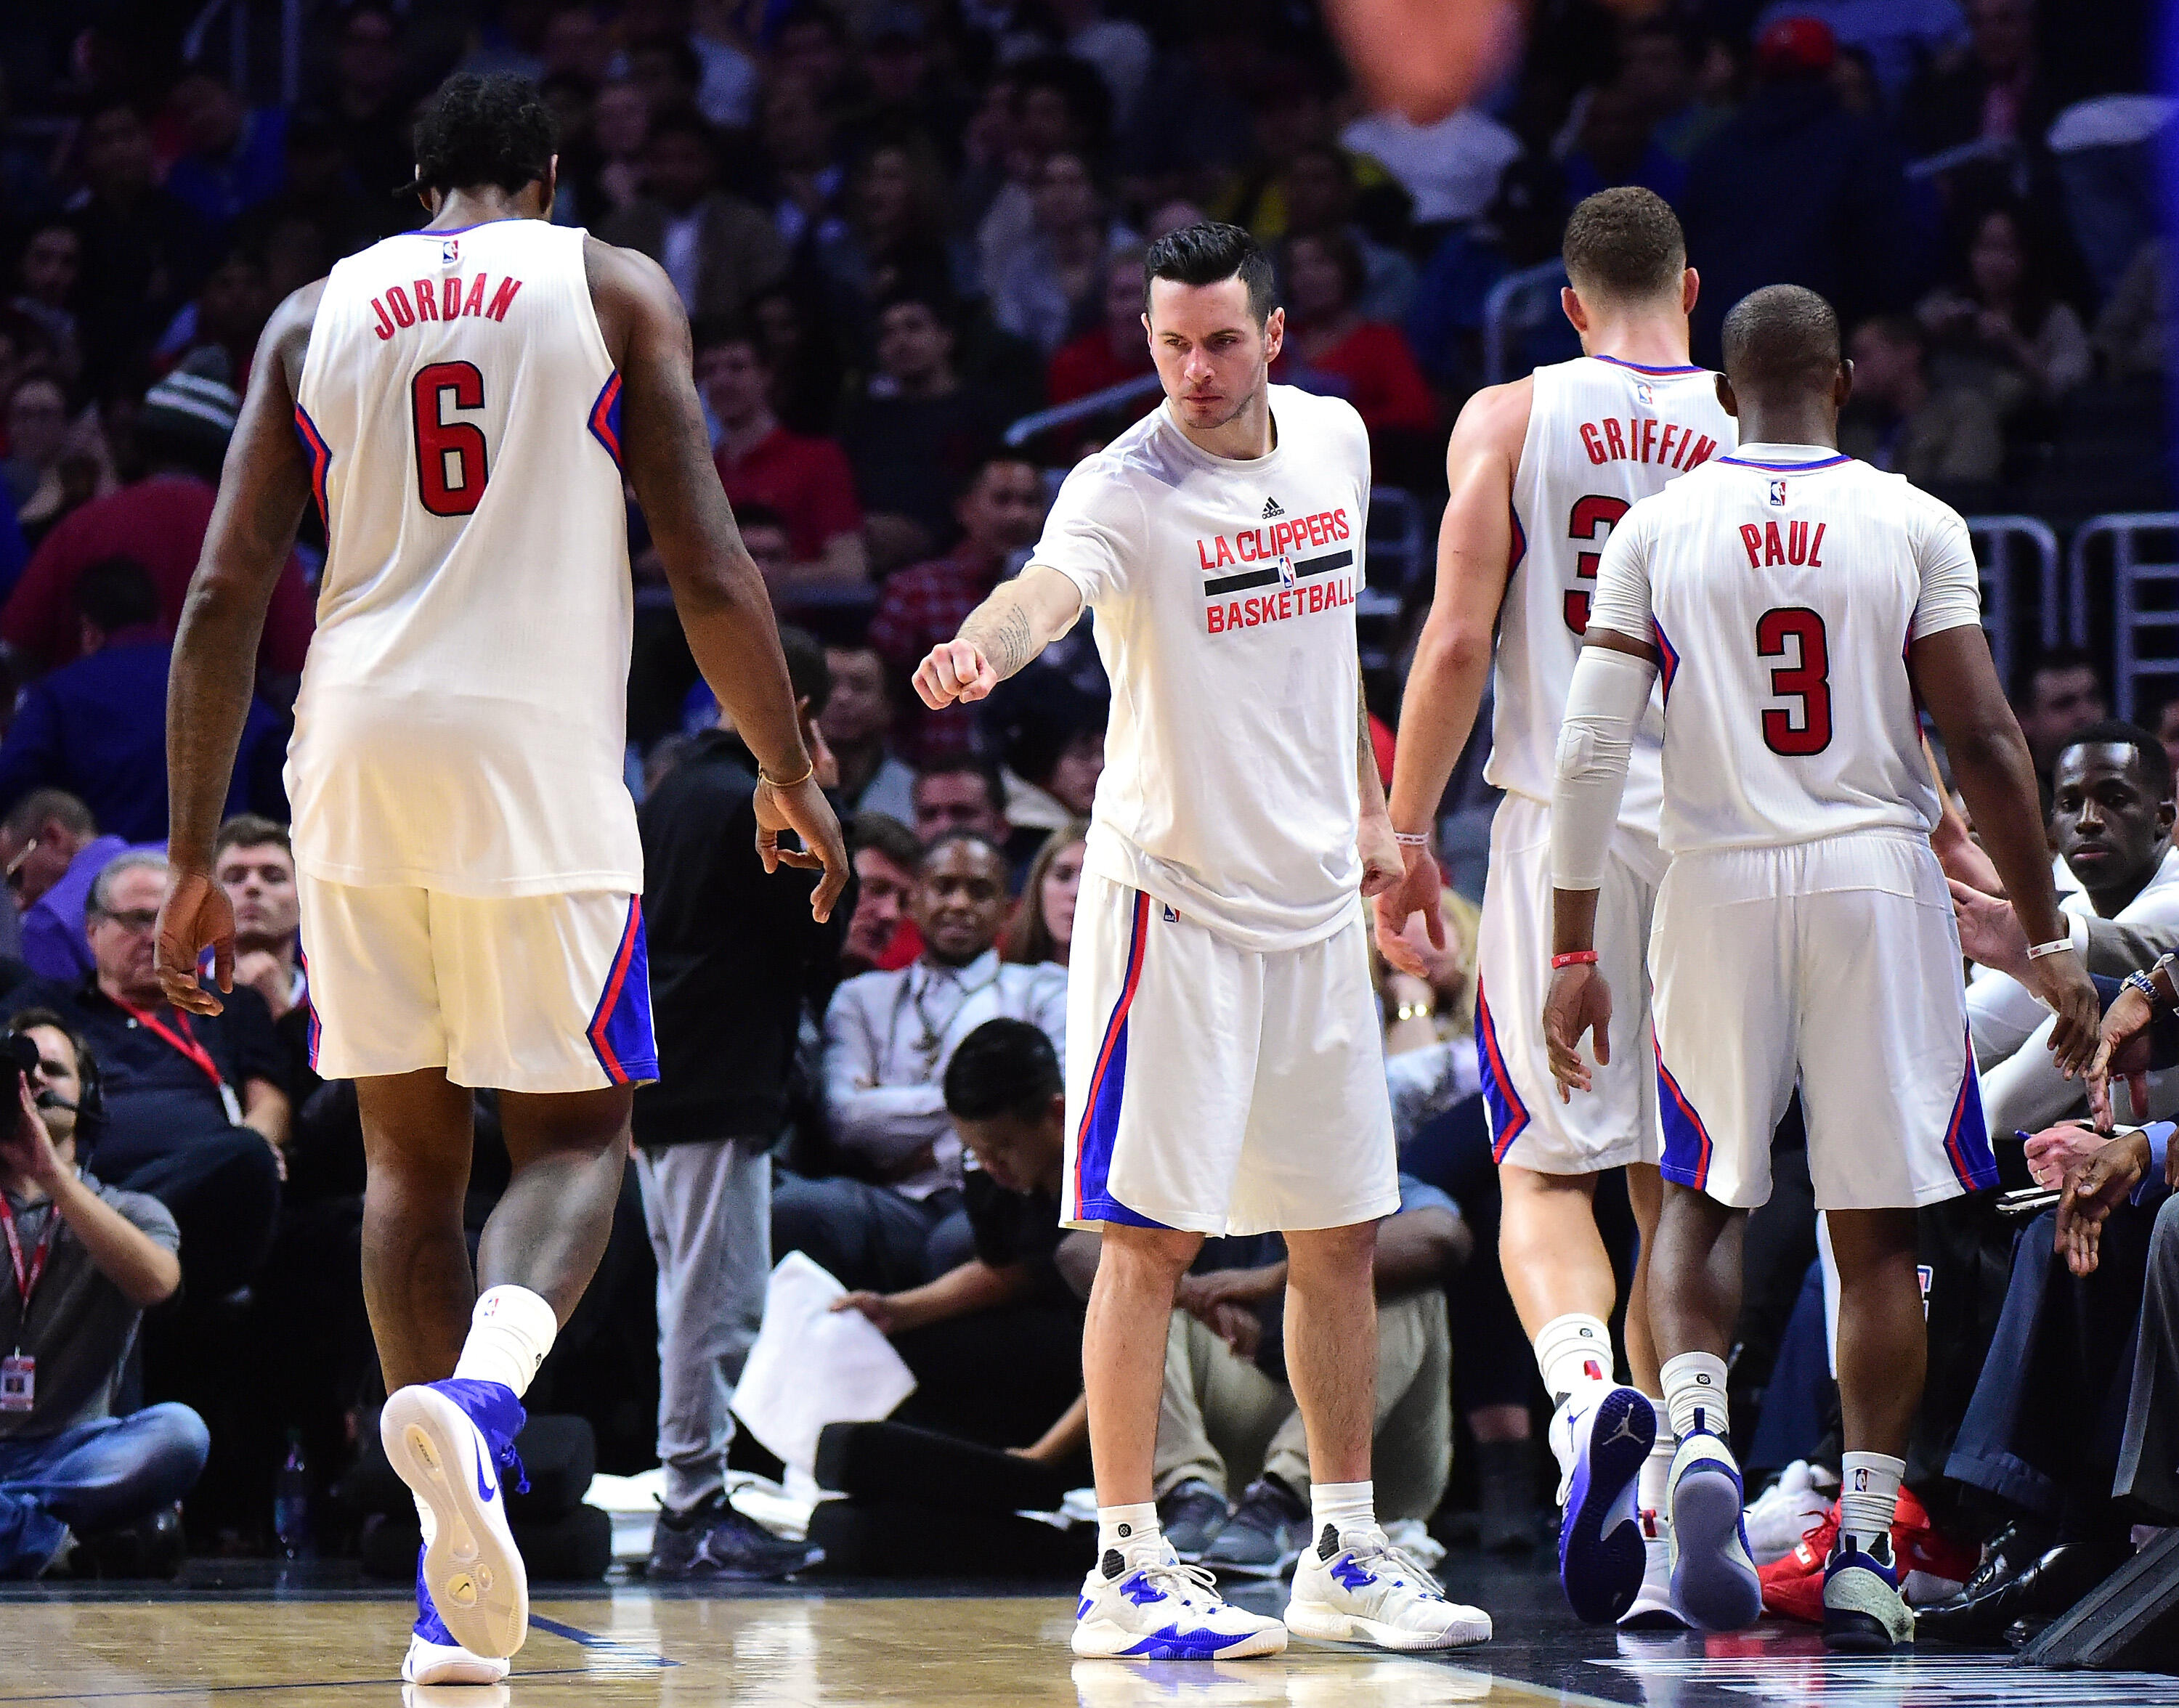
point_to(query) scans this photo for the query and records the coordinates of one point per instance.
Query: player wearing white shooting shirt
(1795, 606)
(1225, 1071)
(457, 401)
(1540, 472)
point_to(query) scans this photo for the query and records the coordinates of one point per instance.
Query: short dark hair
(2052, 661)
(2114, 732)
(86, 1065)
(1343, 252)
(995, 785)
(1208, 254)
(947, 838)
(116, 593)
(1005, 1067)
(1626, 244)
(717, 332)
(933, 302)
(885, 834)
(807, 672)
(1782, 336)
(57, 804)
(251, 830)
(485, 130)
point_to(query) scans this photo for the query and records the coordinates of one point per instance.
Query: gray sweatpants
(708, 1208)
(2149, 1454)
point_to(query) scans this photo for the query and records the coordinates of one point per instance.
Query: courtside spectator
(857, 723)
(73, 1473)
(805, 482)
(1000, 509)
(2059, 694)
(1043, 925)
(254, 863)
(961, 796)
(1050, 738)
(160, 521)
(97, 727)
(1898, 420)
(887, 856)
(53, 853)
(888, 1036)
(718, 249)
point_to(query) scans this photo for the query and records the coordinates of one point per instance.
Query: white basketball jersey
(1602, 435)
(462, 723)
(1782, 587)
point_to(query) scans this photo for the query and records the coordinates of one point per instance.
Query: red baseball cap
(1796, 47)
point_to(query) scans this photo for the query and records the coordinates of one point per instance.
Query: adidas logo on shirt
(1272, 508)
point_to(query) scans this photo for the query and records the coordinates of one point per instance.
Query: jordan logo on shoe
(1625, 1431)
(1272, 508)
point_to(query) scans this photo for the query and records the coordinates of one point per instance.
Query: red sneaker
(1793, 1586)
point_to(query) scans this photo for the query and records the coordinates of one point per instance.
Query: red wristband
(1578, 957)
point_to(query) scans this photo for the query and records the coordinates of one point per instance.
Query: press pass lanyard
(18, 1374)
(198, 1057)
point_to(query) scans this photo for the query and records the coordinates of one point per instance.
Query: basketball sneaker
(1792, 1507)
(1163, 1610)
(1601, 1558)
(1265, 1534)
(453, 1442)
(1864, 1611)
(1652, 1608)
(1368, 1591)
(434, 1657)
(1929, 1561)
(1714, 1581)
(1190, 1517)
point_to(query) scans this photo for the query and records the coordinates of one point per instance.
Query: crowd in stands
(899, 226)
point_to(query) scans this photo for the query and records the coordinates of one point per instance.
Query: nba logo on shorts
(1285, 571)
(1778, 493)
(450, 252)
(1647, 393)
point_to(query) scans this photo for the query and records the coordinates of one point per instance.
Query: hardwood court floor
(314, 1640)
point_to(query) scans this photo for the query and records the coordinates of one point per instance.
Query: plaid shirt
(922, 605)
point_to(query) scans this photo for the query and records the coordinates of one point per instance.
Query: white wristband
(2056, 945)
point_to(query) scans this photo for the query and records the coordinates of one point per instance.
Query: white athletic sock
(1129, 1531)
(1869, 1496)
(1573, 1349)
(510, 1333)
(1346, 1507)
(1694, 1393)
(1657, 1469)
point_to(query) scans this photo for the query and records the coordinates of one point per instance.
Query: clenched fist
(955, 670)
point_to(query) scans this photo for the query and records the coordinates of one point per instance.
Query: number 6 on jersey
(450, 464)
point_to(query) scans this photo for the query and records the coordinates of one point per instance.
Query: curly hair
(485, 130)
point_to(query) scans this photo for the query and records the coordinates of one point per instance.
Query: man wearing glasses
(50, 852)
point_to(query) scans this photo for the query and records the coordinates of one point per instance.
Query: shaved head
(1781, 340)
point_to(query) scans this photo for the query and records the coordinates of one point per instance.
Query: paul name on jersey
(1270, 551)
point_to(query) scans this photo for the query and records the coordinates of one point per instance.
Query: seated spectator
(764, 537)
(37, 434)
(857, 723)
(255, 864)
(1000, 509)
(233, 157)
(1998, 329)
(1115, 350)
(1330, 348)
(995, 1341)
(52, 264)
(888, 1038)
(718, 249)
(804, 481)
(1228, 1419)
(1050, 738)
(1984, 88)
(1617, 147)
(918, 435)
(53, 853)
(881, 936)
(2059, 694)
(960, 796)
(95, 1258)
(1321, 194)
(1898, 39)
(1047, 289)
(1660, 67)
(1898, 420)
(160, 521)
(97, 727)
(894, 238)
(1042, 928)
(197, 1115)
(620, 126)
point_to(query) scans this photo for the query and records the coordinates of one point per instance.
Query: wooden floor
(319, 1647)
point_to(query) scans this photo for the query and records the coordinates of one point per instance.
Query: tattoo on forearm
(1002, 631)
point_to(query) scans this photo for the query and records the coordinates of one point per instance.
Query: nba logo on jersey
(1647, 393)
(450, 252)
(1778, 494)
(1285, 571)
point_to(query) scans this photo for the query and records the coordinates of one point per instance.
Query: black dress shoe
(2002, 1558)
(2038, 1591)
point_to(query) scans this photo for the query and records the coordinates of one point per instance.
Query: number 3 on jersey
(1592, 520)
(1783, 633)
(451, 465)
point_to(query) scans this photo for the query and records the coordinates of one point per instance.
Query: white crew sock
(1348, 1506)
(1694, 1393)
(1571, 1350)
(510, 1333)
(1869, 1496)
(1656, 1470)
(1129, 1531)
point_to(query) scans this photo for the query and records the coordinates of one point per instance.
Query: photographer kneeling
(85, 1261)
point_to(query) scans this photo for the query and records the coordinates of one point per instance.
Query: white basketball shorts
(1219, 1089)
(1615, 1121)
(1837, 962)
(516, 993)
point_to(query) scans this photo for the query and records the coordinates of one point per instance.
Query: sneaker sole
(1715, 1591)
(1601, 1557)
(1100, 1639)
(433, 1663)
(1319, 1624)
(471, 1566)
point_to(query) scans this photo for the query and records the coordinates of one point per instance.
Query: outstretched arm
(1453, 659)
(1020, 619)
(263, 490)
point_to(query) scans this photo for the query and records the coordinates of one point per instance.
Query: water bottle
(291, 1501)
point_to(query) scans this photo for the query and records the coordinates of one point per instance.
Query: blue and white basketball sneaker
(434, 1657)
(1601, 1558)
(452, 1443)
(1164, 1610)
(1366, 1590)
(1714, 1579)
(1864, 1611)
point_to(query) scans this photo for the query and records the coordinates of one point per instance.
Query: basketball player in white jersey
(1224, 1068)
(1540, 470)
(458, 400)
(1795, 606)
